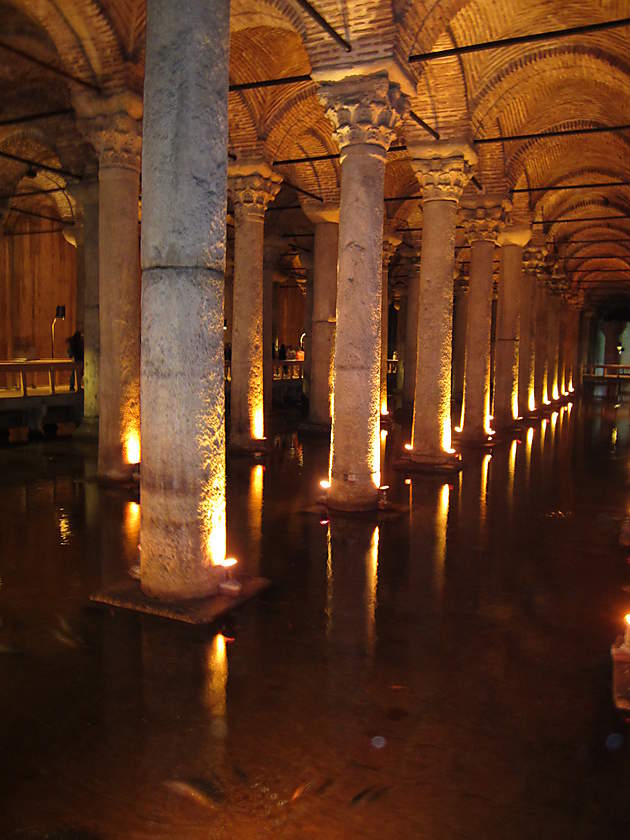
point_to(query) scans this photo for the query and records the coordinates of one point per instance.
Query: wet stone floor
(443, 674)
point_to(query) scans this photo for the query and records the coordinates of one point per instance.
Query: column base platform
(127, 595)
(383, 512)
(250, 447)
(447, 464)
(476, 443)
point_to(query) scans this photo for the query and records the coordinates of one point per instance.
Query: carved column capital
(484, 222)
(114, 127)
(390, 246)
(534, 262)
(443, 169)
(364, 109)
(252, 185)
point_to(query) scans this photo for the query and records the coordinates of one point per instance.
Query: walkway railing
(605, 372)
(24, 379)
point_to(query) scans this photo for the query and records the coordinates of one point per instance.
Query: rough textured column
(506, 364)
(443, 170)
(364, 111)
(390, 243)
(113, 127)
(460, 319)
(541, 309)
(326, 220)
(411, 335)
(553, 342)
(183, 255)
(252, 185)
(482, 229)
(401, 334)
(86, 196)
(533, 262)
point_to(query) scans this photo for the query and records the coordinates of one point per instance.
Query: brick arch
(553, 203)
(275, 14)
(83, 37)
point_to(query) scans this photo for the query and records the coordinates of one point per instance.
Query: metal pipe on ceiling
(312, 12)
(571, 187)
(557, 132)
(532, 38)
(265, 83)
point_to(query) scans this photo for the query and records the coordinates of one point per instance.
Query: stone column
(443, 170)
(252, 185)
(401, 335)
(460, 318)
(541, 310)
(364, 111)
(183, 255)
(113, 127)
(390, 243)
(553, 345)
(506, 365)
(411, 335)
(482, 229)
(326, 220)
(86, 195)
(533, 261)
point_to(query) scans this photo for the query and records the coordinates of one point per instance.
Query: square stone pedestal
(127, 595)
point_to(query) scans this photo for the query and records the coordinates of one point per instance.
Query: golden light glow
(530, 439)
(258, 424)
(485, 468)
(215, 534)
(376, 456)
(458, 429)
(371, 584)
(384, 411)
(383, 434)
(132, 518)
(407, 481)
(65, 530)
(446, 436)
(556, 394)
(531, 401)
(228, 562)
(626, 618)
(217, 676)
(512, 464)
(324, 484)
(408, 447)
(514, 400)
(132, 448)
(441, 521)
(613, 436)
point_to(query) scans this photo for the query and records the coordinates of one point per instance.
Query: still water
(439, 674)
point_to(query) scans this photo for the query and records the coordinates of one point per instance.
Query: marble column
(460, 319)
(411, 335)
(506, 406)
(364, 111)
(553, 343)
(401, 335)
(541, 310)
(482, 228)
(86, 195)
(113, 127)
(533, 262)
(390, 244)
(326, 243)
(252, 186)
(443, 170)
(184, 183)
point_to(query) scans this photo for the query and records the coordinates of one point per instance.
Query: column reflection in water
(131, 531)
(512, 474)
(215, 689)
(352, 585)
(439, 550)
(254, 511)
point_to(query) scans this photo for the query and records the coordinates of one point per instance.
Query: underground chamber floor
(442, 674)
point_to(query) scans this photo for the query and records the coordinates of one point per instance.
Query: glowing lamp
(458, 429)
(132, 448)
(229, 586)
(228, 562)
(408, 447)
(626, 639)
(383, 434)
(324, 484)
(407, 481)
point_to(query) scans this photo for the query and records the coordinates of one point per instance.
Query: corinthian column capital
(252, 185)
(534, 261)
(113, 125)
(364, 109)
(443, 169)
(484, 222)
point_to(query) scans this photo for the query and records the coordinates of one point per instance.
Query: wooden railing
(288, 369)
(606, 372)
(23, 374)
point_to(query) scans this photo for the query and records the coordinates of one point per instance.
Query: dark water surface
(442, 675)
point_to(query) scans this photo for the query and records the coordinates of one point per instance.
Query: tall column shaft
(506, 364)
(443, 174)
(411, 336)
(183, 255)
(401, 334)
(390, 243)
(91, 329)
(252, 186)
(119, 318)
(267, 344)
(553, 347)
(460, 319)
(324, 315)
(364, 111)
(477, 380)
(540, 345)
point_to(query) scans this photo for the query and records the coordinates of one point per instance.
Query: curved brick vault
(579, 82)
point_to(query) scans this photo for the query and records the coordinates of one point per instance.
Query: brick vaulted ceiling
(577, 82)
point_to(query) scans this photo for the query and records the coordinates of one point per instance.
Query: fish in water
(202, 791)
